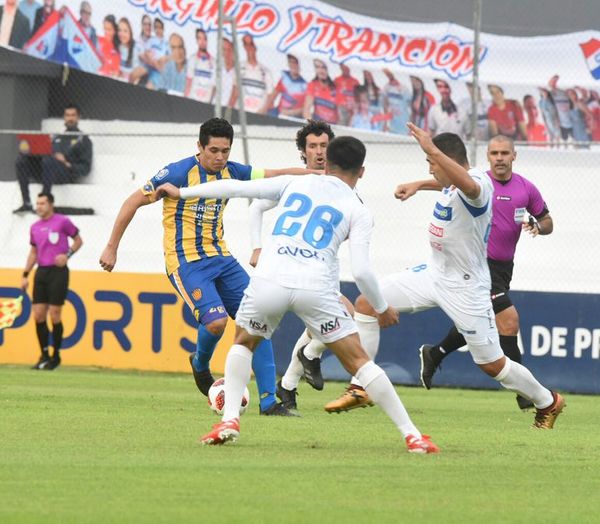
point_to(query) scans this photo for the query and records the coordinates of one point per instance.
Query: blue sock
(263, 366)
(205, 347)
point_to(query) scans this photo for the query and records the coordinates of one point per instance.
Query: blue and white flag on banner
(62, 40)
(43, 43)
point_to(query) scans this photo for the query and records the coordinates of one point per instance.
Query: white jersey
(257, 83)
(315, 214)
(201, 72)
(458, 234)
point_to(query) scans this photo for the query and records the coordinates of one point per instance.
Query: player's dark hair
(200, 30)
(312, 127)
(453, 146)
(347, 153)
(216, 127)
(48, 195)
(71, 105)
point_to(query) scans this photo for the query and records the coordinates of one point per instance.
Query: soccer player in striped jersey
(199, 265)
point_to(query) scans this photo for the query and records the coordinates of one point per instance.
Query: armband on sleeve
(257, 173)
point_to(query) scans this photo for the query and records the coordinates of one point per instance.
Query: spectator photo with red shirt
(322, 97)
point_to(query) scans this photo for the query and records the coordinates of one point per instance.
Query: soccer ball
(216, 397)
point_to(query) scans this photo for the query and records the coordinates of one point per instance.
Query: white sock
(314, 349)
(368, 331)
(238, 366)
(519, 379)
(382, 392)
(294, 372)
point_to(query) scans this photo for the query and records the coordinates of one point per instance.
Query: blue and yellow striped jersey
(193, 229)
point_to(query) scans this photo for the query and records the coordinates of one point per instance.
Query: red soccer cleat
(421, 445)
(222, 432)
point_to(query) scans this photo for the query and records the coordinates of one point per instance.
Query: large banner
(120, 321)
(135, 321)
(305, 58)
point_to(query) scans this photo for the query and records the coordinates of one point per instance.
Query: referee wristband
(70, 253)
(25, 274)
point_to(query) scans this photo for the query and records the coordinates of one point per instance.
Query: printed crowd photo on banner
(307, 59)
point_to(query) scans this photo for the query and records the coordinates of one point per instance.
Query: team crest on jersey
(442, 212)
(197, 294)
(162, 174)
(148, 188)
(53, 237)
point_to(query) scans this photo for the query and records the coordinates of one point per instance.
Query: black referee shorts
(501, 272)
(50, 285)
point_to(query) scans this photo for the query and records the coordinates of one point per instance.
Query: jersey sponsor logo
(197, 294)
(330, 326)
(442, 212)
(299, 252)
(257, 326)
(436, 245)
(436, 231)
(162, 174)
(203, 208)
(502, 197)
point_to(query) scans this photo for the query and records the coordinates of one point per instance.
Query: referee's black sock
(57, 336)
(41, 328)
(510, 347)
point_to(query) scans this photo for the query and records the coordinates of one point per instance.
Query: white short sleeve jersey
(201, 71)
(315, 214)
(459, 231)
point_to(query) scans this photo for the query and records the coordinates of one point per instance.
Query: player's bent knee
(216, 327)
(496, 369)
(243, 338)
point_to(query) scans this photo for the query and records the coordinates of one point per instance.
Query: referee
(50, 251)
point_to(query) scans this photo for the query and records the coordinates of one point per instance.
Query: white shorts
(416, 289)
(265, 302)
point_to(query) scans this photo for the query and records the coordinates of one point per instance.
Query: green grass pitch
(88, 446)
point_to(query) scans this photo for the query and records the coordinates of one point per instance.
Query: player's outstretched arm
(457, 174)
(108, 259)
(405, 191)
(270, 189)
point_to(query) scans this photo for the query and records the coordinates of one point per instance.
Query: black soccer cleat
(53, 363)
(203, 379)
(42, 362)
(287, 397)
(278, 410)
(524, 403)
(428, 365)
(312, 370)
